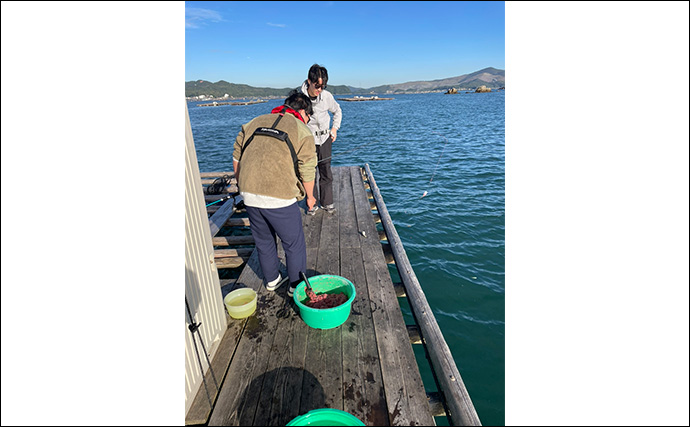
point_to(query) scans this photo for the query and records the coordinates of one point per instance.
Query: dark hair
(317, 72)
(299, 101)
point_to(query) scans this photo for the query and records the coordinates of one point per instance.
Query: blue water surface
(452, 147)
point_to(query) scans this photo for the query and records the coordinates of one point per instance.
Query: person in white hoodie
(324, 133)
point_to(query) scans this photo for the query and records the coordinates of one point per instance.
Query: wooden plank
(215, 174)
(324, 347)
(363, 391)
(237, 222)
(405, 392)
(230, 262)
(238, 252)
(349, 233)
(366, 229)
(282, 393)
(218, 219)
(405, 395)
(312, 229)
(211, 181)
(200, 409)
(238, 326)
(233, 240)
(459, 404)
(238, 401)
(280, 397)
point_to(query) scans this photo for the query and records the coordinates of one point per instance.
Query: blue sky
(363, 44)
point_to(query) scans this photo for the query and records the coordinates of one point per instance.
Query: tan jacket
(266, 166)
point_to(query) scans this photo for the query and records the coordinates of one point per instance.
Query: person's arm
(334, 108)
(237, 153)
(236, 168)
(307, 161)
(309, 188)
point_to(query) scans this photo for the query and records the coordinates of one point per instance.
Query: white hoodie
(319, 124)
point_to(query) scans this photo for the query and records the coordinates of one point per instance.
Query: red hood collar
(279, 110)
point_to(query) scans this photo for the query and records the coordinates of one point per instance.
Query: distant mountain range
(489, 77)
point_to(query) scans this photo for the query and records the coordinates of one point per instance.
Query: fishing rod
(346, 152)
(229, 196)
(439, 161)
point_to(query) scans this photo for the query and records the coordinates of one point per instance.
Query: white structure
(202, 287)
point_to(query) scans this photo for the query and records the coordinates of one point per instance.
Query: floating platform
(272, 367)
(371, 98)
(217, 104)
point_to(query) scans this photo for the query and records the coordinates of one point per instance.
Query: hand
(311, 202)
(334, 134)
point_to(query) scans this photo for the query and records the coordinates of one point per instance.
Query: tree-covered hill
(489, 77)
(221, 88)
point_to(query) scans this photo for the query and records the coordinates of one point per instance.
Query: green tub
(326, 416)
(325, 318)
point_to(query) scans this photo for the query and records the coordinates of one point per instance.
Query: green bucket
(325, 318)
(326, 417)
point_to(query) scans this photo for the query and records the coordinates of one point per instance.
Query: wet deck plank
(282, 368)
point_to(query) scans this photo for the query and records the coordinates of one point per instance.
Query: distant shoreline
(345, 97)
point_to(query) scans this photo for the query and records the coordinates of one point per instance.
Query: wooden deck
(272, 367)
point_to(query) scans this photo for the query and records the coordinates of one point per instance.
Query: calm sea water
(453, 147)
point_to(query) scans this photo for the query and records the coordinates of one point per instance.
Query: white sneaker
(275, 284)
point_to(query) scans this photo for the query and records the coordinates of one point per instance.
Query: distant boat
(363, 98)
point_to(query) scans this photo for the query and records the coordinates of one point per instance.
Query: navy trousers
(285, 223)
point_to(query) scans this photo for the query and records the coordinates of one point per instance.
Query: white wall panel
(202, 287)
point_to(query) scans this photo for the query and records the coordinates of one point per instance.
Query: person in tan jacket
(274, 160)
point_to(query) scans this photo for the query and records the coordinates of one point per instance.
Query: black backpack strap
(277, 134)
(280, 116)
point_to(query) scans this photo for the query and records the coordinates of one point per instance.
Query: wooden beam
(227, 253)
(399, 289)
(237, 222)
(388, 253)
(231, 262)
(413, 332)
(233, 240)
(436, 404)
(462, 411)
(211, 181)
(215, 174)
(218, 219)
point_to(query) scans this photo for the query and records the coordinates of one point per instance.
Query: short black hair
(317, 72)
(299, 101)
